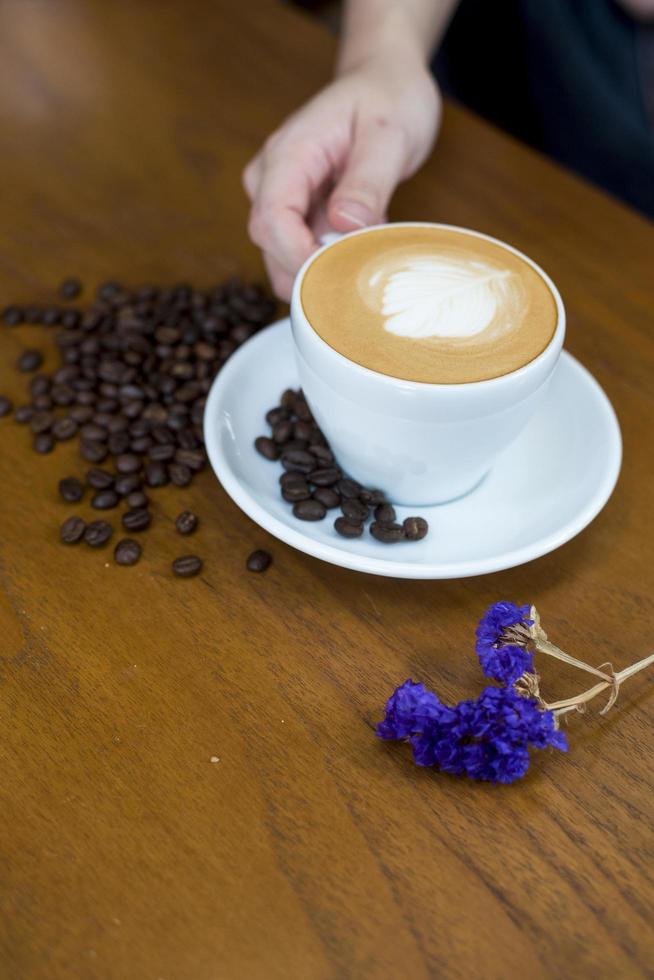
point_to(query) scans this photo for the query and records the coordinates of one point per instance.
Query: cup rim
(555, 341)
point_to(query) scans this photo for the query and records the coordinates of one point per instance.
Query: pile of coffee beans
(135, 369)
(314, 483)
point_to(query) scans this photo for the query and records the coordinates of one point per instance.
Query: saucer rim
(302, 540)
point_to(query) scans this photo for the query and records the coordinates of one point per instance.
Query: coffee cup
(424, 301)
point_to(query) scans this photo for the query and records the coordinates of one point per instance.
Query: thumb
(373, 170)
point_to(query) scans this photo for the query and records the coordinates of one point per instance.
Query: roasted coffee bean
(385, 514)
(282, 431)
(327, 496)
(304, 430)
(163, 435)
(91, 432)
(137, 500)
(156, 475)
(139, 446)
(62, 395)
(127, 463)
(258, 561)
(302, 410)
(137, 520)
(97, 533)
(293, 444)
(13, 315)
(387, 533)
(415, 528)
(125, 485)
(298, 490)
(118, 443)
(70, 489)
(372, 497)
(41, 422)
(276, 415)
(72, 530)
(127, 552)
(43, 443)
(186, 522)
(5, 406)
(24, 414)
(105, 499)
(187, 566)
(309, 510)
(70, 288)
(288, 399)
(34, 313)
(42, 403)
(179, 474)
(93, 452)
(348, 488)
(195, 459)
(347, 528)
(291, 476)
(64, 428)
(51, 316)
(322, 453)
(326, 477)
(298, 460)
(81, 413)
(354, 510)
(162, 451)
(30, 360)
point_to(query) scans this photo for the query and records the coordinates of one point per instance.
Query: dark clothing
(574, 78)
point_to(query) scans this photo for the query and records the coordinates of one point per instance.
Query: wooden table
(310, 850)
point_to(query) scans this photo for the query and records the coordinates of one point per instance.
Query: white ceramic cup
(420, 443)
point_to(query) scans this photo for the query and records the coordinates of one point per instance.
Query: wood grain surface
(310, 850)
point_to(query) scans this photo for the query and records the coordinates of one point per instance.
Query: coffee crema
(428, 303)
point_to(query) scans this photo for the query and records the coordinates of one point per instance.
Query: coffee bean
(187, 566)
(186, 522)
(42, 403)
(354, 510)
(105, 499)
(258, 561)
(41, 422)
(91, 432)
(387, 533)
(70, 288)
(309, 510)
(298, 460)
(93, 452)
(302, 410)
(118, 443)
(162, 452)
(43, 443)
(326, 477)
(415, 528)
(322, 453)
(136, 500)
(72, 530)
(139, 446)
(33, 313)
(179, 474)
(5, 406)
(62, 395)
(23, 414)
(125, 485)
(71, 490)
(282, 431)
(266, 447)
(276, 415)
(29, 360)
(99, 479)
(385, 514)
(98, 533)
(304, 430)
(81, 413)
(156, 475)
(372, 497)
(137, 520)
(127, 463)
(348, 488)
(347, 528)
(64, 428)
(288, 399)
(13, 315)
(298, 490)
(127, 552)
(293, 444)
(195, 459)
(328, 497)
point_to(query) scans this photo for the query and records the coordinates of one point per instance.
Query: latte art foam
(429, 303)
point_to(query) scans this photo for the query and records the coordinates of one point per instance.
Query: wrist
(392, 39)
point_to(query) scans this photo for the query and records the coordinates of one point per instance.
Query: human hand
(334, 163)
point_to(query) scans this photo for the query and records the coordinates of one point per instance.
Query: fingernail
(356, 213)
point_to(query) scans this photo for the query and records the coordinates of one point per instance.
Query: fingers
(280, 279)
(281, 183)
(374, 168)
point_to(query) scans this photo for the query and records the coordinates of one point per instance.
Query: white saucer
(543, 491)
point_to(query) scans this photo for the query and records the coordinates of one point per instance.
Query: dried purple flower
(500, 657)
(486, 738)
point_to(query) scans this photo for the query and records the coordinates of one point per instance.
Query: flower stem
(543, 645)
(574, 703)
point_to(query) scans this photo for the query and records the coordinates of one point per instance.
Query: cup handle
(330, 237)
